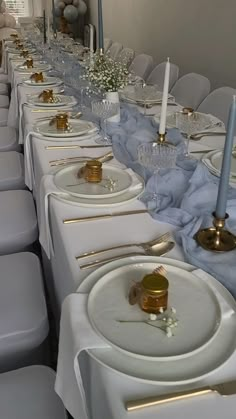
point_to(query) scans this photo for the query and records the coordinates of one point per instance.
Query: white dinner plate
(48, 81)
(18, 51)
(130, 95)
(36, 68)
(60, 100)
(213, 161)
(67, 180)
(186, 370)
(78, 128)
(201, 122)
(128, 196)
(108, 303)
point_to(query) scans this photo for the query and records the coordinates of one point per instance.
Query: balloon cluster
(6, 20)
(70, 9)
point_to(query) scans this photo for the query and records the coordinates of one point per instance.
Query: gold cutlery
(109, 154)
(202, 151)
(162, 249)
(103, 159)
(223, 389)
(199, 135)
(73, 147)
(103, 216)
(146, 246)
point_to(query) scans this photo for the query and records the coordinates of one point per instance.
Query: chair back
(191, 89)
(126, 56)
(114, 50)
(218, 103)
(158, 74)
(142, 65)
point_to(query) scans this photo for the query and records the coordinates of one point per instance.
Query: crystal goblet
(104, 110)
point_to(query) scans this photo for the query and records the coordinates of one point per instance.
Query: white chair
(107, 44)
(218, 103)
(92, 37)
(8, 139)
(28, 393)
(4, 89)
(23, 321)
(191, 89)
(11, 171)
(18, 221)
(114, 50)
(126, 56)
(4, 101)
(3, 78)
(142, 65)
(3, 117)
(158, 74)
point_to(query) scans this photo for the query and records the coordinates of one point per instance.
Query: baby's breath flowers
(167, 323)
(106, 74)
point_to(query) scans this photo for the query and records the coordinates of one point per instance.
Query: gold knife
(103, 216)
(223, 389)
(73, 147)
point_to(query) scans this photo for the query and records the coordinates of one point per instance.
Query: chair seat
(23, 312)
(28, 393)
(11, 171)
(8, 139)
(3, 88)
(4, 101)
(3, 116)
(18, 222)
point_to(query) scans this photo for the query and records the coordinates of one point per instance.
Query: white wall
(198, 35)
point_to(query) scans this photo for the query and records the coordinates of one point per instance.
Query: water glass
(104, 110)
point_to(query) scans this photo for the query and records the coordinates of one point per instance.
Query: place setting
(48, 98)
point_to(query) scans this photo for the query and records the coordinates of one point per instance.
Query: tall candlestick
(44, 27)
(162, 127)
(54, 24)
(100, 26)
(226, 163)
(48, 30)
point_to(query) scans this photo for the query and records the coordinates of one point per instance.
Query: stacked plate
(77, 128)
(37, 67)
(213, 161)
(199, 122)
(206, 322)
(48, 81)
(117, 187)
(148, 95)
(59, 100)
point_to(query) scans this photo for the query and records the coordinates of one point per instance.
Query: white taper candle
(162, 127)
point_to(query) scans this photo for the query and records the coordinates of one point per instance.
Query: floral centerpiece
(106, 74)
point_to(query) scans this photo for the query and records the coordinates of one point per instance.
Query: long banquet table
(105, 388)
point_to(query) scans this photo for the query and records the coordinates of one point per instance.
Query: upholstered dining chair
(126, 56)
(89, 37)
(107, 44)
(86, 36)
(191, 89)
(218, 103)
(142, 65)
(114, 50)
(158, 73)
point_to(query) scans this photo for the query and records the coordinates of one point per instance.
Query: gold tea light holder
(61, 122)
(93, 171)
(14, 35)
(29, 63)
(24, 53)
(20, 46)
(37, 77)
(47, 96)
(216, 238)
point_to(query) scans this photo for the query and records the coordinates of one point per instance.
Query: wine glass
(184, 121)
(104, 110)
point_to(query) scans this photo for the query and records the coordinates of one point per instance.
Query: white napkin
(47, 188)
(76, 335)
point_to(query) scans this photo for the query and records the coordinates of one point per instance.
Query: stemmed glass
(184, 121)
(104, 110)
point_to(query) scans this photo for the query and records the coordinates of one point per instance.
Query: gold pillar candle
(37, 77)
(93, 171)
(61, 121)
(47, 96)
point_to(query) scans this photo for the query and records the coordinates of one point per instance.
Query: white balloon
(68, 1)
(2, 21)
(82, 8)
(76, 3)
(10, 21)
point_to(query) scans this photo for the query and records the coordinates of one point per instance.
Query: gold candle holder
(216, 238)
(47, 96)
(101, 52)
(61, 121)
(93, 171)
(161, 138)
(24, 53)
(37, 77)
(29, 63)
